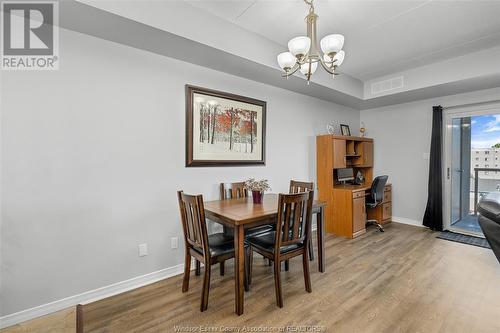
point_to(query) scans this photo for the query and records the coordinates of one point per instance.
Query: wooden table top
(243, 211)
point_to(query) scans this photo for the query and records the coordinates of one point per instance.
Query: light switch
(143, 250)
(174, 242)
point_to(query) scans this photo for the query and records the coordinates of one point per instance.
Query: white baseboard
(90, 296)
(405, 220)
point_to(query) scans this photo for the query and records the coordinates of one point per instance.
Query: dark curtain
(433, 217)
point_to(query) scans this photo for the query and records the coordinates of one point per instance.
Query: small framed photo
(345, 130)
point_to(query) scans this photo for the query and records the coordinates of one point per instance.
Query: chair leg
(187, 271)
(222, 268)
(250, 266)
(307, 276)
(198, 268)
(287, 265)
(206, 288)
(277, 283)
(311, 251)
(247, 270)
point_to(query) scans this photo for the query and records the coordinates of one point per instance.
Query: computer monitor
(345, 174)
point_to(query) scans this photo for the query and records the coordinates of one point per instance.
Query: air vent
(387, 85)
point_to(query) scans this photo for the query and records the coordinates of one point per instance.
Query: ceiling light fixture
(303, 52)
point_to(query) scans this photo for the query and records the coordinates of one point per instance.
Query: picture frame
(224, 129)
(345, 130)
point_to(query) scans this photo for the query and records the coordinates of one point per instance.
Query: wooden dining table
(241, 214)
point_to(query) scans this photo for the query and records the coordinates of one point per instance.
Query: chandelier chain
(311, 5)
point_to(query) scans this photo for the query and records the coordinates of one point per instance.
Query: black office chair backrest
(377, 189)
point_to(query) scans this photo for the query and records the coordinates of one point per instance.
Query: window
(486, 159)
(477, 165)
(477, 158)
(486, 152)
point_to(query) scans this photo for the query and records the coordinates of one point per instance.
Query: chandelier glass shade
(303, 53)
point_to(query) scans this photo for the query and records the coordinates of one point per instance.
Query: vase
(257, 197)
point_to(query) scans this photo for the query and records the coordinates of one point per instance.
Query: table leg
(239, 267)
(321, 244)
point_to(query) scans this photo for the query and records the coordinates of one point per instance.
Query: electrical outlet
(174, 242)
(143, 250)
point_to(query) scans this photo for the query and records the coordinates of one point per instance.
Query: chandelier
(303, 52)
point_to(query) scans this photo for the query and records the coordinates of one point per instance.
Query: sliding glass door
(472, 164)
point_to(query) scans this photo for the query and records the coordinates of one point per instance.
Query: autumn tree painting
(224, 129)
(233, 128)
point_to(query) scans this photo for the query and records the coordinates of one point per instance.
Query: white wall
(93, 155)
(402, 135)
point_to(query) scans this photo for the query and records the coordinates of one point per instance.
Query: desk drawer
(386, 211)
(387, 196)
(358, 194)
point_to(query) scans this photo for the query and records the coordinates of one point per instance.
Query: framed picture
(224, 129)
(345, 130)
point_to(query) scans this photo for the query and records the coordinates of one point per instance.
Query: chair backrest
(233, 190)
(294, 219)
(193, 221)
(300, 187)
(377, 189)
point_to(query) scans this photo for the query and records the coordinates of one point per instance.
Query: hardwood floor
(63, 321)
(403, 280)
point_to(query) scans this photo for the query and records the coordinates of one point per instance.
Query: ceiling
(434, 48)
(382, 37)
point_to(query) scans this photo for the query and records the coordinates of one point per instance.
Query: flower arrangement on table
(258, 187)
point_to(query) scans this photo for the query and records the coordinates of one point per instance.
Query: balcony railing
(476, 185)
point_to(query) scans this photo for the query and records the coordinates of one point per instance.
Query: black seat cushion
(258, 230)
(219, 238)
(266, 242)
(250, 231)
(220, 244)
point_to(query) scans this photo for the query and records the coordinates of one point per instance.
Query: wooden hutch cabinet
(345, 213)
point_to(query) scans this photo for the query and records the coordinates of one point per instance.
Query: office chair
(376, 197)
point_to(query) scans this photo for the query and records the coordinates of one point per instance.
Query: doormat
(465, 239)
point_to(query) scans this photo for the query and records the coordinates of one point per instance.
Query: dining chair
(301, 187)
(235, 191)
(291, 238)
(206, 249)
